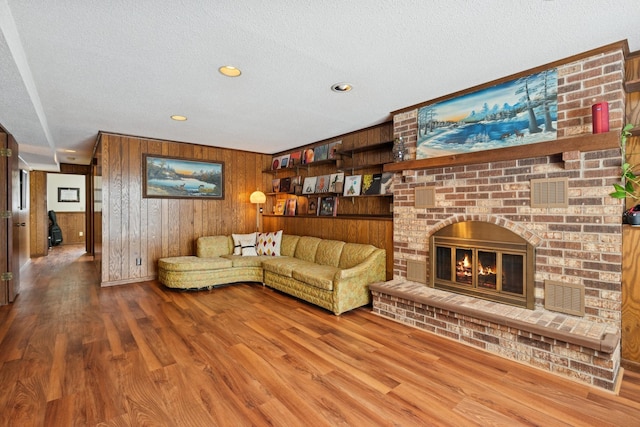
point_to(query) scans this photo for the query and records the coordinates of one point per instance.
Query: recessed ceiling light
(341, 87)
(178, 118)
(229, 71)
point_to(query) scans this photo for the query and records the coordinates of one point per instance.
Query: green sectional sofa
(331, 274)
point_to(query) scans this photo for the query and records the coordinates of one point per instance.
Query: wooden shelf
(372, 147)
(584, 142)
(301, 166)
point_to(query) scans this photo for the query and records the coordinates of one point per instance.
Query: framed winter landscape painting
(517, 112)
(170, 177)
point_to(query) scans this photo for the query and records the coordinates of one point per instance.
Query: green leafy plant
(629, 178)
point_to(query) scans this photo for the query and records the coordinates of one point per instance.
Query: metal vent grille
(564, 297)
(550, 193)
(425, 197)
(417, 271)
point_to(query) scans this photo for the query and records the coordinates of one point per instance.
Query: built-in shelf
(300, 166)
(584, 142)
(372, 147)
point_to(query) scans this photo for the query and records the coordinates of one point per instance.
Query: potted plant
(630, 181)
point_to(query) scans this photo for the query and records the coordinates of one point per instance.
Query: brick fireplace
(579, 245)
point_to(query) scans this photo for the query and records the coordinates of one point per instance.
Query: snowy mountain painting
(517, 112)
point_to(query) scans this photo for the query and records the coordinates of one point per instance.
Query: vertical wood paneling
(38, 220)
(150, 229)
(630, 295)
(72, 224)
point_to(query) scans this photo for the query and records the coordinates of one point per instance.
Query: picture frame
(68, 195)
(166, 177)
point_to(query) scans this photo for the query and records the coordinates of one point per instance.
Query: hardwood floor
(72, 353)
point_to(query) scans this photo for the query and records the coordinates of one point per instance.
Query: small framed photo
(68, 195)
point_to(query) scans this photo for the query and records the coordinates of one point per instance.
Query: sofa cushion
(328, 252)
(193, 263)
(288, 245)
(213, 246)
(269, 243)
(246, 261)
(319, 276)
(354, 254)
(244, 244)
(306, 248)
(285, 266)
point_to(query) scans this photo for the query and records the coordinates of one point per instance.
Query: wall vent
(425, 197)
(550, 193)
(564, 297)
(417, 271)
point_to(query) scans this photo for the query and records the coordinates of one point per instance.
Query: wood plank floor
(72, 353)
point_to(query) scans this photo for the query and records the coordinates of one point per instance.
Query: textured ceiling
(69, 69)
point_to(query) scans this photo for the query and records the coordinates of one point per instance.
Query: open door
(9, 219)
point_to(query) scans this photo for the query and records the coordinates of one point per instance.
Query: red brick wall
(580, 244)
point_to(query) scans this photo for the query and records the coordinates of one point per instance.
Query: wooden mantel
(583, 142)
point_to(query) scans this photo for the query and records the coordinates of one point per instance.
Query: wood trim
(620, 45)
(585, 142)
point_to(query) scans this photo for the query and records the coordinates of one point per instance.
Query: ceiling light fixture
(341, 87)
(229, 71)
(178, 118)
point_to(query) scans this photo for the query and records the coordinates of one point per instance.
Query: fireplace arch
(484, 260)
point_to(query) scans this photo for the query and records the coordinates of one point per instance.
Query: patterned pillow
(244, 244)
(269, 243)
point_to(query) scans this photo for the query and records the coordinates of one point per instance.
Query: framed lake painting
(516, 112)
(171, 177)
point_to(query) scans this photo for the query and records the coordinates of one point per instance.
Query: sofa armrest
(351, 285)
(372, 269)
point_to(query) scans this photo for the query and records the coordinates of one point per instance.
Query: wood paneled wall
(135, 227)
(72, 224)
(38, 218)
(377, 232)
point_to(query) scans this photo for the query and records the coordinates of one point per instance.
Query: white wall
(60, 180)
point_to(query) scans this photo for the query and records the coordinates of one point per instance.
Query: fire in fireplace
(483, 260)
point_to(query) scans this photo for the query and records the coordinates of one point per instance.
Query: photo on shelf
(321, 152)
(371, 184)
(322, 184)
(295, 158)
(275, 185)
(334, 147)
(313, 207)
(307, 156)
(386, 183)
(279, 206)
(302, 207)
(296, 184)
(275, 163)
(285, 185)
(352, 185)
(290, 206)
(309, 186)
(328, 206)
(284, 161)
(336, 182)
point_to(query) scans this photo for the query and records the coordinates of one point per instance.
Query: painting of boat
(170, 177)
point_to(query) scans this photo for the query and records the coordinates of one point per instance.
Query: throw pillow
(269, 243)
(243, 244)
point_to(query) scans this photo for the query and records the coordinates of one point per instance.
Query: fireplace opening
(483, 260)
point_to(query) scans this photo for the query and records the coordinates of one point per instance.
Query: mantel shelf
(584, 142)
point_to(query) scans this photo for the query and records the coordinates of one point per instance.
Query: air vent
(550, 193)
(564, 297)
(425, 197)
(417, 271)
